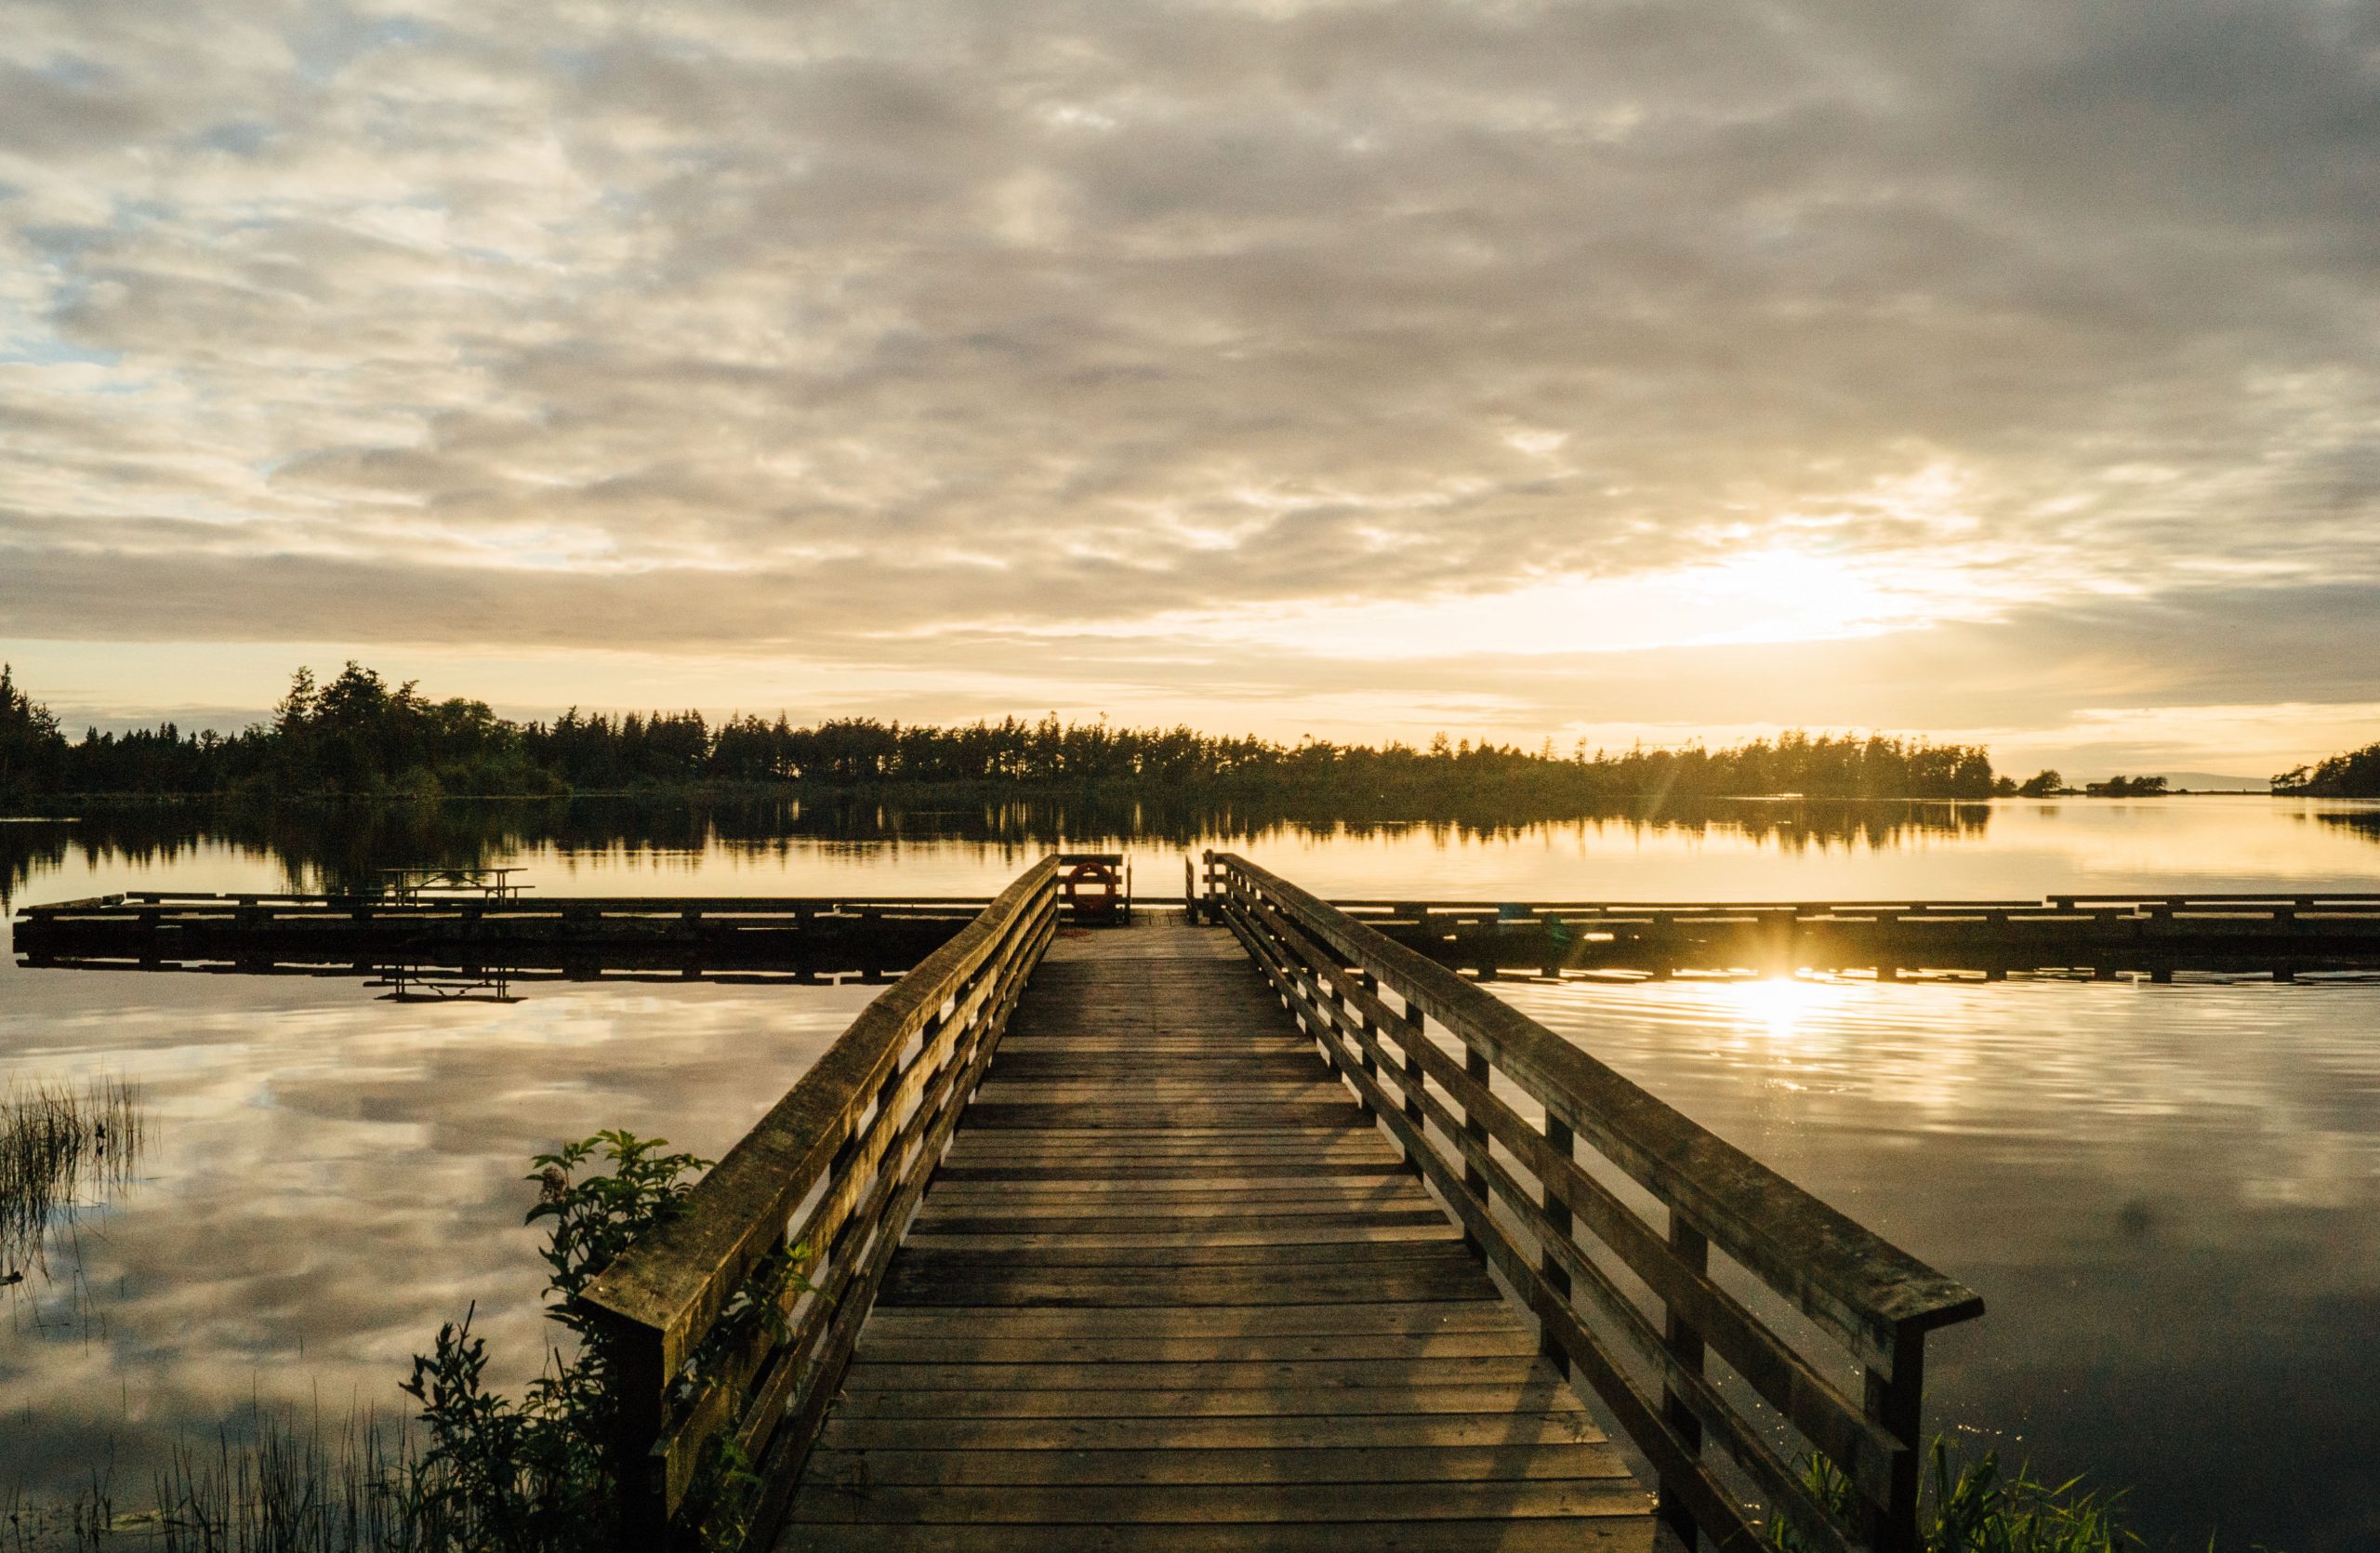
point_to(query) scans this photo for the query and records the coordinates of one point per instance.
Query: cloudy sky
(1595, 370)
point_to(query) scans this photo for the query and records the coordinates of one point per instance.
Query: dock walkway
(1274, 1234)
(1172, 1289)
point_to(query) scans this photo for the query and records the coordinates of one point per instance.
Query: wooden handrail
(804, 1213)
(1376, 1008)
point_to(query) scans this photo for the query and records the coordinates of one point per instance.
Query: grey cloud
(928, 288)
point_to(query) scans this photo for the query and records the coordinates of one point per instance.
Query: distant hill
(2185, 781)
(2208, 781)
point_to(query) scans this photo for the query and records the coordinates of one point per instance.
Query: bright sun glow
(1783, 1011)
(1767, 596)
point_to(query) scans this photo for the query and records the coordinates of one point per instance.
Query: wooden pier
(1283, 1236)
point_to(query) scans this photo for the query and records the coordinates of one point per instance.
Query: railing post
(1476, 1067)
(1372, 1035)
(1414, 1033)
(1684, 1344)
(1896, 1404)
(636, 1390)
(1558, 1137)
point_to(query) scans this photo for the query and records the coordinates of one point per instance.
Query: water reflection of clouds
(332, 1179)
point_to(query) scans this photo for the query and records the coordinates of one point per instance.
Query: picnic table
(412, 883)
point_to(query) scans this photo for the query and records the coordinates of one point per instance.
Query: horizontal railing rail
(1491, 1109)
(733, 1321)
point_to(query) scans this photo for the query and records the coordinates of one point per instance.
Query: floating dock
(653, 938)
(2104, 936)
(877, 938)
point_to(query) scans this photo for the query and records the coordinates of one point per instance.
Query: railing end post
(1896, 1403)
(636, 1379)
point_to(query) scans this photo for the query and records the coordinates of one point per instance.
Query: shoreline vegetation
(2355, 774)
(359, 736)
(58, 1141)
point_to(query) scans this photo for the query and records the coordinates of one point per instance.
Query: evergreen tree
(31, 747)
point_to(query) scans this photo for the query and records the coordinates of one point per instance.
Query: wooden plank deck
(1170, 1290)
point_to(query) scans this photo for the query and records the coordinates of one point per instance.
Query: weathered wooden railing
(1626, 1254)
(803, 1215)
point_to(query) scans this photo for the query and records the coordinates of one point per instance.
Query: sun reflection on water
(1784, 1014)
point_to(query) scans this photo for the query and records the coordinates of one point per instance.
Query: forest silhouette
(359, 736)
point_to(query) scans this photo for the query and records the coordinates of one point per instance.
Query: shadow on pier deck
(1168, 1279)
(1284, 1236)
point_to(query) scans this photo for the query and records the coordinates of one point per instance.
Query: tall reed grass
(292, 1484)
(58, 1143)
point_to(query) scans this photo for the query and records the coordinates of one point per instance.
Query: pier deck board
(1171, 1290)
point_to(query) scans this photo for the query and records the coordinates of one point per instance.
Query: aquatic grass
(56, 1143)
(1971, 1507)
(291, 1483)
(292, 1488)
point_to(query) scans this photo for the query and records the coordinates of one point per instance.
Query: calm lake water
(2166, 1194)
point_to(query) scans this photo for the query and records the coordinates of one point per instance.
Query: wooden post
(635, 1386)
(1557, 1223)
(1372, 1032)
(1476, 1068)
(1685, 1344)
(1415, 1033)
(1896, 1404)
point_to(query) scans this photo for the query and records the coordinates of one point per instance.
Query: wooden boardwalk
(1172, 1289)
(1081, 1240)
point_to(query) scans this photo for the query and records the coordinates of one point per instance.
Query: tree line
(2355, 774)
(359, 736)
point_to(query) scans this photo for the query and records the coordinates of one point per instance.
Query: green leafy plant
(534, 1475)
(1972, 1508)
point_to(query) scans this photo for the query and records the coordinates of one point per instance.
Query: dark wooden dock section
(2096, 937)
(812, 938)
(1172, 1289)
(653, 937)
